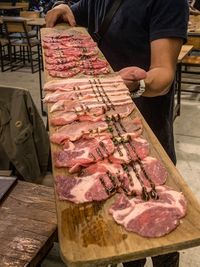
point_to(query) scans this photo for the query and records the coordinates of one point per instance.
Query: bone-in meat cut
(95, 183)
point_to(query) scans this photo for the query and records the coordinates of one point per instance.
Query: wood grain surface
(28, 225)
(88, 235)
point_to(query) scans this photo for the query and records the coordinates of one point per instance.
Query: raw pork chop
(113, 81)
(154, 218)
(124, 153)
(84, 151)
(93, 185)
(94, 114)
(75, 130)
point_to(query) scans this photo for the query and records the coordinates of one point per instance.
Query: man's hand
(131, 77)
(60, 13)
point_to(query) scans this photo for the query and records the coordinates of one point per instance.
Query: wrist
(140, 90)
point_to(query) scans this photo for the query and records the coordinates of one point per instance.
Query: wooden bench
(28, 225)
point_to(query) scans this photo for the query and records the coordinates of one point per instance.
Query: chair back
(23, 5)
(15, 25)
(29, 14)
(5, 4)
(17, 31)
(195, 41)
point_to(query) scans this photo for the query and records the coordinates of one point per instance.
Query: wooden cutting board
(88, 235)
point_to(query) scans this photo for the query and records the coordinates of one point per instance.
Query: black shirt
(127, 43)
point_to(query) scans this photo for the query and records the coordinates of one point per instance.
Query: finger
(140, 74)
(70, 19)
(132, 73)
(51, 19)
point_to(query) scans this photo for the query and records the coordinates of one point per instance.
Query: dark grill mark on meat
(112, 178)
(98, 150)
(116, 122)
(92, 156)
(95, 93)
(103, 147)
(103, 98)
(109, 191)
(153, 192)
(99, 87)
(145, 194)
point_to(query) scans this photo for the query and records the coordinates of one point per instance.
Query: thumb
(140, 74)
(69, 17)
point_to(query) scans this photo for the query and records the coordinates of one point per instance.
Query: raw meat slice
(87, 104)
(62, 60)
(154, 218)
(61, 67)
(95, 72)
(85, 65)
(64, 44)
(75, 130)
(125, 153)
(83, 151)
(59, 53)
(78, 93)
(63, 118)
(64, 74)
(154, 169)
(60, 118)
(93, 185)
(66, 84)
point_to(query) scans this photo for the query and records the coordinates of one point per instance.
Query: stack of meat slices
(69, 53)
(104, 152)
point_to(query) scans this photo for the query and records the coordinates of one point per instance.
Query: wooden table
(40, 22)
(88, 235)
(28, 225)
(7, 7)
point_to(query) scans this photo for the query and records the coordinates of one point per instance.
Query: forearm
(158, 81)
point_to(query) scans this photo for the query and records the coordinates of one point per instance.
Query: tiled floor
(187, 139)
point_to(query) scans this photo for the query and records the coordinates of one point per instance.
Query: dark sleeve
(80, 11)
(169, 19)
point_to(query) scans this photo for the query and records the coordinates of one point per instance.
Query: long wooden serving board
(89, 236)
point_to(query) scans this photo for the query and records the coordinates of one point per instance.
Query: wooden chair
(24, 47)
(23, 5)
(191, 63)
(33, 15)
(4, 54)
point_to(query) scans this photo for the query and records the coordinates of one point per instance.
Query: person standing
(142, 42)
